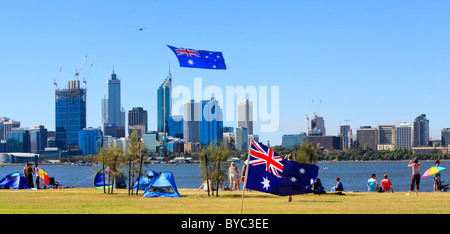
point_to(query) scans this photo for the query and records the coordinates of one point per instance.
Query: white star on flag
(190, 62)
(265, 183)
(302, 171)
(293, 179)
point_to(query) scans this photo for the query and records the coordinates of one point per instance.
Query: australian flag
(270, 173)
(199, 58)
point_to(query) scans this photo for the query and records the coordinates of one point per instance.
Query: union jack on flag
(265, 155)
(186, 51)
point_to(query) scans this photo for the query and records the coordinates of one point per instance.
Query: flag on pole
(199, 58)
(270, 173)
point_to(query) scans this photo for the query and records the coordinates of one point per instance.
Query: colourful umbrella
(432, 171)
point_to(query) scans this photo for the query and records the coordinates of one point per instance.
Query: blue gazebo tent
(163, 185)
(98, 180)
(13, 181)
(144, 180)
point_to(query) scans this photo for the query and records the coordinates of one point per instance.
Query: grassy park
(91, 201)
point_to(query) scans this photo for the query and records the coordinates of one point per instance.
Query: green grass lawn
(91, 201)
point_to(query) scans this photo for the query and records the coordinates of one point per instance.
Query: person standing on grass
(36, 173)
(232, 176)
(437, 178)
(415, 179)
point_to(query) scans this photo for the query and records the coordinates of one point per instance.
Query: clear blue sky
(372, 62)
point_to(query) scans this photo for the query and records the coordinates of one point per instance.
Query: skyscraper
(386, 137)
(113, 114)
(404, 136)
(191, 121)
(137, 118)
(317, 126)
(164, 103)
(241, 142)
(421, 131)
(445, 135)
(211, 126)
(70, 114)
(367, 137)
(245, 115)
(346, 133)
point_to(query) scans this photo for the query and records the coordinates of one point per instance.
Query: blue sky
(371, 62)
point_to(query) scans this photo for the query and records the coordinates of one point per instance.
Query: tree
(212, 160)
(305, 153)
(134, 158)
(110, 159)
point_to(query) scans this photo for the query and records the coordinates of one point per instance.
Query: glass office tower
(164, 103)
(211, 126)
(113, 114)
(70, 115)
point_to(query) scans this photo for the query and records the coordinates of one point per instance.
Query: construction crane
(307, 116)
(55, 80)
(318, 108)
(84, 80)
(77, 72)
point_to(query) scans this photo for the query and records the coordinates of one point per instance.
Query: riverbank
(91, 201)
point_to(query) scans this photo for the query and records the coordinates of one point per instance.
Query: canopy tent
(144, 180)
(163, 185)
(13, 181)
(98, 180)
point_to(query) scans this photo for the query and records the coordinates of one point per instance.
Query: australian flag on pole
(270, 173)
(199, 58)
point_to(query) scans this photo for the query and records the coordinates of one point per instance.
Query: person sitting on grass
(372, 184)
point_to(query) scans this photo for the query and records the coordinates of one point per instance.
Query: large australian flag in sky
(199, 58)
(270, 173)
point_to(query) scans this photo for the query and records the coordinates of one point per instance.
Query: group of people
(372, 183)
(29, 171)
(386, 184)
(234, 178)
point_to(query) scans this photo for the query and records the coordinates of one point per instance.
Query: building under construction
(70, 115)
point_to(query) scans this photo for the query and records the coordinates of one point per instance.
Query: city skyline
(374, 64)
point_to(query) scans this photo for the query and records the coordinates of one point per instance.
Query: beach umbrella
(432, 171)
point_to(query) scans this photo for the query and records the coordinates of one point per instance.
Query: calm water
(354, 175)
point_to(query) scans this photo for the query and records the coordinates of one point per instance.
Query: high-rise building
(288, 141)
(175, 126)
(38, 138)
(137, 118)
(367, 137)
(241, 142)
(345, 131)
(317, 127)
(113, 114)
(403, 136)
(164, 108)
(245, 115)
(90, 140)
(211, 126)
(445, 137)
(191, 121)
(150, 141)
(421, 131)
(70, 115)
(386, 137)
(6, 125)
(18, 141)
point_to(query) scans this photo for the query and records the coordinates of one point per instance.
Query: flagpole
(246, 176)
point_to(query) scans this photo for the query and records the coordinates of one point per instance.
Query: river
(354, 175)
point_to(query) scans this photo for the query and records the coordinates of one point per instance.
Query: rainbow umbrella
(432, 171)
